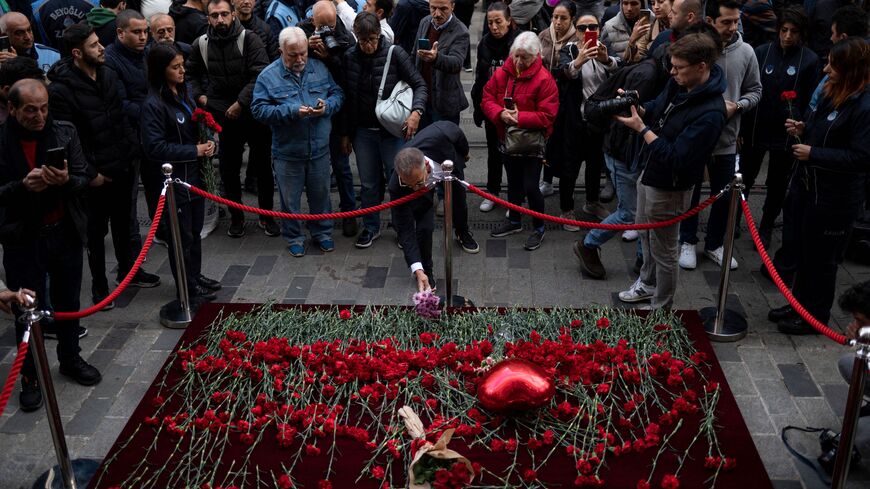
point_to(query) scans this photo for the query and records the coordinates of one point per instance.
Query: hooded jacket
(534, 92)
(491, 54)
(550, 46)
(229, 75)
(95, 108)
(190, 23)
(103, 22)
(687, 124)
(743, 86)
(795, 69)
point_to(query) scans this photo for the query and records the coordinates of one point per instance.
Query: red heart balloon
(515, 385)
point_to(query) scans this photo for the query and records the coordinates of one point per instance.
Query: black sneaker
(782, 313)
(208, 283)
(79, 370)
(365, 239)
(30, 398)
(269, 227)
(466, 240)
(506, 229)
(349, 227)
(143, 280)
(49, 331)
(795, 326)
(203, 293)
(98, 297)
(236, 229)
(534, 241)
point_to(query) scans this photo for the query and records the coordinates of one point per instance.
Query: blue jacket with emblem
(278, 95)
(45, 56)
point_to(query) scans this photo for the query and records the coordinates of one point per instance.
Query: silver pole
(180, 272)
(43, 373)
(735, 327)
(853, 405)
(447, 168)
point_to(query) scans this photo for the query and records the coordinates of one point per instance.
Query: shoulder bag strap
(386, 70)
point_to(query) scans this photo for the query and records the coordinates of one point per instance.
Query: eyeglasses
(415, 186)
(585, 27)
(217, 15)
(682, 67)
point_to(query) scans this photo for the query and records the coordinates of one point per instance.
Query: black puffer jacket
(230, 75)
(94, 107)
(264, 32)
(491, 53)
(362, 78)
(190, 23)
(130, 67)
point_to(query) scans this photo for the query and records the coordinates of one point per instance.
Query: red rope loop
(587, 224)
(308, 217)
(68, 316)
(13, 375)
(783, 289)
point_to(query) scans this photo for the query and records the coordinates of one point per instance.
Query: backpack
(203, 46)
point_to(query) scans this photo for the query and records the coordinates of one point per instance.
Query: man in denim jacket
(296, 97)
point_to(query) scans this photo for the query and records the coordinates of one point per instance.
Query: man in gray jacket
(442, 62)
(617, 31)
(742, 93)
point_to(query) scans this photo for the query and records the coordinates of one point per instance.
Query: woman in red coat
(522, 94)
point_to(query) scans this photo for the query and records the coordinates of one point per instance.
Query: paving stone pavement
(777, 380)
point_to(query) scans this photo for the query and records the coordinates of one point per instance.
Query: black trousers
(460, 202)
(586, 148)
(494, 158)
(523, 174)
(109, 202)
(190, 217)
(779, 168)
(232, 148)
(56, 252)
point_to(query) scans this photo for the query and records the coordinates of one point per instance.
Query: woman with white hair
(522, 100)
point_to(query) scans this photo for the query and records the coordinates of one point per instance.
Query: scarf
(558, 43)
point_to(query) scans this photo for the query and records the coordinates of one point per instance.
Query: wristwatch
(419, 111)
(739, 107)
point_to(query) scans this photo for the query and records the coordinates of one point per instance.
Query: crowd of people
(650, 97)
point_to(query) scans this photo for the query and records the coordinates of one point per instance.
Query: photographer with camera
(679, 130)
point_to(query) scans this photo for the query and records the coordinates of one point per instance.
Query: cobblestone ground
(777, 380)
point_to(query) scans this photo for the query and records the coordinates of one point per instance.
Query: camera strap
(801, 457)
(203, 46)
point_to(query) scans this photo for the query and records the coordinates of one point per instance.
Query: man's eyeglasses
(416, 186)
(585, 27)
(682, 67)
(217, 15)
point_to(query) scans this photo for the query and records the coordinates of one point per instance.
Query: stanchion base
(83, 468)
(734, 327)
(172, 317)
(458, 301)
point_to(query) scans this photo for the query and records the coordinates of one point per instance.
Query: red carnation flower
(788, 95)
(344, 314)
(670, 481)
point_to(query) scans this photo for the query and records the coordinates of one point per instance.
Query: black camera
(830, 441)
(327, 35)
(621, 103)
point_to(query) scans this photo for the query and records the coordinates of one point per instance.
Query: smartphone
(590, 36)
(54, 157)
(4, 43)
(423, 44)
(646, 13)
(509, 103)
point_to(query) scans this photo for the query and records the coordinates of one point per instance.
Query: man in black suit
(414, 221)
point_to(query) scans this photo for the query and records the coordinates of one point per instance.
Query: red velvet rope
(783, 289)
(68, 316)
(13, 375)
(308, 217)
(598, 225)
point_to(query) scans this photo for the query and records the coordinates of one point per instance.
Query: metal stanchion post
(175, 314)
(853, 405)
(447, 168)
(721, 323)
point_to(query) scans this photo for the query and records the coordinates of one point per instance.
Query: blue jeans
(625, 184)
(375, 151)
(721, 169)
(313, 176)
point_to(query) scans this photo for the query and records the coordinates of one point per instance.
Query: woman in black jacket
(492, 50)
(786, 65)
(375, 147)
(169, 135)
(826, 192)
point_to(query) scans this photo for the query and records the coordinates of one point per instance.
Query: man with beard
(87, 93)
(44, 224)
(222, 69)
(17, 27)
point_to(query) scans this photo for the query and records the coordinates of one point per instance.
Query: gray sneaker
(638, 292)
(534, 241)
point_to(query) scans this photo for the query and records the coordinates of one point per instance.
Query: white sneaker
(487, 205)
(630, 235)
(638, 292)
(716, 256)
(569, 227)
(688, 256)
(546, 189)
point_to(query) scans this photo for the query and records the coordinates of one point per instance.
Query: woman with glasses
(364, 66)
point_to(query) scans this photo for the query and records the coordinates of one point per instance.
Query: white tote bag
(393, 111)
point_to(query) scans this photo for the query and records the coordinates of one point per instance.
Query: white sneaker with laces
(546, 189)
(569, 227)
(688, 256)
(630, 235)
(717, 254)
(638, 292)
(487, 205)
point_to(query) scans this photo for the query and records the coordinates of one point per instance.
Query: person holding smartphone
(644, 33)
(628, 24)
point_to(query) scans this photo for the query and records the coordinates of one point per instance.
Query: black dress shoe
(201, 292)
(30, 398)
(208, 283)
(795, 327)
(79, 370)
(782, 313)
